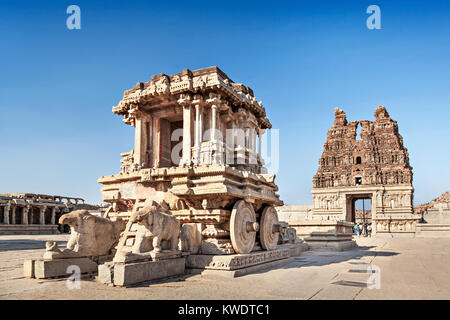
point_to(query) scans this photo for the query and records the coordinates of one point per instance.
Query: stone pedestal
(44, 269)
(124, 274)
(238, 264)
(10, 229)
(328, 241)
(425, 230)
(327, 235)
(295, 249)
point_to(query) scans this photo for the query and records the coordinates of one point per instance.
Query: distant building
(29, 213)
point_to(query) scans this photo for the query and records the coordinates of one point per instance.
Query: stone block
(133, 273)
(295, 249)
(243, 271)
(332, 245)
(44, 269)
(235, 261)
(28, 268)
(106, 273)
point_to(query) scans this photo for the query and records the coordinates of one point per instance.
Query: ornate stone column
(42, 215)
(25, 214)
(216, 142)
(52, 221)
(185, 100)
(13, 215)
(213, 122)
(197, 124)
(141, 138)
(259, 143)
(6, 212)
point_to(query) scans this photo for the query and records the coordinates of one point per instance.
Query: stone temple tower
(375, 167)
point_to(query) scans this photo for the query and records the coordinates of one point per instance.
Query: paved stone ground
(409, 269)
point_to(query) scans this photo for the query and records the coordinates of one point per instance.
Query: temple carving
(373, 166)
(378, 158)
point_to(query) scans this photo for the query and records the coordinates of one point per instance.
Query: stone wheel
(243, 227)
(269, 231)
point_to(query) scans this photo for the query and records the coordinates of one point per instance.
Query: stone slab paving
(413, 268)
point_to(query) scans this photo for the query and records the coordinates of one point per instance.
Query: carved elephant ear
(165, 207)
(155, 204)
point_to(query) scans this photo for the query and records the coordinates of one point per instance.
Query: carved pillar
(6, 212)
(42, 214)
(52, 220)
(141, 139)
(13, 215)
(186, 135)
(259, 143)
(198, 132)
(156, 142)
(185, 101)
(213, 122)
(197, 124)
(25, 214)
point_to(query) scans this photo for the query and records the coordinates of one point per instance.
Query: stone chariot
(196, 158)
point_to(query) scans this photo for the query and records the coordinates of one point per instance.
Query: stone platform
(239, 264)
(426, 230)
(327, 241)
(124, 274)
(295, 249)
(18, 229)
(326, 235)
(45, 269)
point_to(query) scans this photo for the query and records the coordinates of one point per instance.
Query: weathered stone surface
(242, 271)
(191, 238)
(236, 261)
(90, 236)
(132, 273)
(44, 269)
(295, 249)
(331, 243)
(375, 167)
(286, 234)
(28, 268)
(428, 230)
(220, 166)
(106, 273)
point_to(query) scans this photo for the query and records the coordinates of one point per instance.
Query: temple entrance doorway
(362, 212)
(359, 208)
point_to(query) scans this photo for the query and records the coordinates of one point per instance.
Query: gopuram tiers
(376, 167)
(196, 152)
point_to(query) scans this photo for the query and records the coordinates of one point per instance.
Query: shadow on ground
(24, 244)
(322, 258)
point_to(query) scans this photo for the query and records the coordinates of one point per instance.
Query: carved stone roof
(379, 158)
(162, 88)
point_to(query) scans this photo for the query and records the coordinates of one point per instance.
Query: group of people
(363, 229)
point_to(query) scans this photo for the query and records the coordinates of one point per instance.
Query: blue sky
(302, 59)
